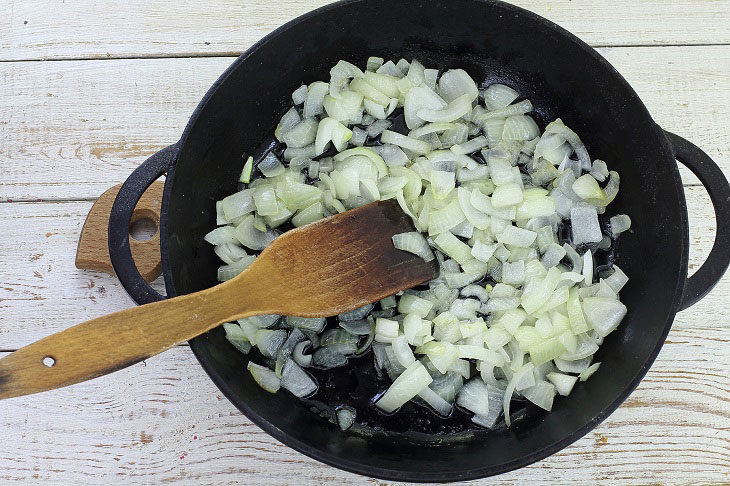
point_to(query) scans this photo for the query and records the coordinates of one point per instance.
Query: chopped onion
(619, 224)
(491, 193)
(409, 384)
(498, 96)
(588, 372)
(297, 381)
(415, 243)
(453, 111)
(563, 383)
(246, 172)
(315, 324)
(298, 354)
(264, 377)
(541, 394)
(345, 417)
(412, 144)
(313, 105)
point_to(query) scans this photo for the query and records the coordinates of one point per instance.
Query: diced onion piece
(412, 144)
(563, 383)
(411, 304)
(442, 183)
(313, 105)
(343, 108)
(265, 200)
(516, 378)
(444, 219)
(302, 134)
(538, 291)
(436, 402)
(238, 204)
(506, 195)
(453, 247)
(308, 215)
(456, 83)
(415, 243)
(474, 396)
(377, 127)
(368, 152)
(402, 351)
(227, 272)
(230, 252)
(588, 372)
(431, 128)
(330, 130)
(299, 196)
(237, 337)
(315, 324)
(360, 85)
(384, 83)
(520, 127)
(584, 225)
(479, 353)
(541, 394)
(512, 235)
(453, 111)
(264, 377)
(441, 354)
(409, 384)
(520, 108)
(603, 314)
(390, 69)
(386, 330)
(588, 267)
(221, 236)
(586, 187)
(252, 238)
(420, 98)
(246, 172)
(498, 96)
(619, 224)
(558, 128)
(297, 381)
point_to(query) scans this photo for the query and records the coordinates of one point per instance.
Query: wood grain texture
(90, 123)
(164, 421)
(70, 130)
(94, 29)
(92, 252)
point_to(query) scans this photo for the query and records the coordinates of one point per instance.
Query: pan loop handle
(712, 178)
(120, 218)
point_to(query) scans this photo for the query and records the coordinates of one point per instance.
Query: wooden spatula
(322, 269)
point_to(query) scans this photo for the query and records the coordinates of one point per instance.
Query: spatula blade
(341, 263)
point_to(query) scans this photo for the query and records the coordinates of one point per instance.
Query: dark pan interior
(493, 42)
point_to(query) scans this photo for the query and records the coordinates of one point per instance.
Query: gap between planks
(86, 29)
(235, 54)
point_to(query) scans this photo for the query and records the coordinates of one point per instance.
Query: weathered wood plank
(92, 29)
(90, 123)
(164, 421)
(42, 292)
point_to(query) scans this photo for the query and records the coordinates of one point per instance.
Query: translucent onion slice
(409, 384)
(415, 243)
(264, 377)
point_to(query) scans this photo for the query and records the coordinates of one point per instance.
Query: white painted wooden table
(89, 88)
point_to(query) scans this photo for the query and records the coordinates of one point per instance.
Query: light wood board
(71, 129)
(98, 29)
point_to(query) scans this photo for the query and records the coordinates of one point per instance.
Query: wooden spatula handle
(118, 340)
